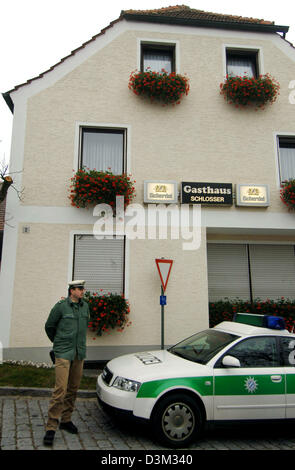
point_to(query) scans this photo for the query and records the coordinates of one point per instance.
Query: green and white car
(234, 371)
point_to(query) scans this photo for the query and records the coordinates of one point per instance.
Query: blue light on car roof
(275, 323)
(266, 321)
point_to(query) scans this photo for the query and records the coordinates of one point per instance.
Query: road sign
(163, 300)
(164, 268)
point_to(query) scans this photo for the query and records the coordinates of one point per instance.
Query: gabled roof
(185, 12)
(182, 14)
(178, 15)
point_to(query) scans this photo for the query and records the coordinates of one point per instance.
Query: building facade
(81, 112)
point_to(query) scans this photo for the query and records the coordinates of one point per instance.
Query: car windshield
(203, 346)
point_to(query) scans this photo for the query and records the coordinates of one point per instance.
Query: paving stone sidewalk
(22, 427)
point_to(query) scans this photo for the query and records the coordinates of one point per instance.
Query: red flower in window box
(109, 311)
(287, 193)
(91, 187)
(245, 91)
(164, 87)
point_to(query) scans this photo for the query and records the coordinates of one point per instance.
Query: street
(22, 424)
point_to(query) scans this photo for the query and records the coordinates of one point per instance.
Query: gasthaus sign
(207, 193)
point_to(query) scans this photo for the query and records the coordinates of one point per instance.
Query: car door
(288, 360)
(256, 389)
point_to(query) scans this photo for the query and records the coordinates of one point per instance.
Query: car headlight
(126, 384)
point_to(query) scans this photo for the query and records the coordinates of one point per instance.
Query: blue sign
(163, 299)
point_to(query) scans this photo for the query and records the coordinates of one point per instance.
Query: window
(255, 352)
(286, 158)
(100, 262)
(103, 149)
(242, 62)
(203, 346)
(156, 57)
(250, 271)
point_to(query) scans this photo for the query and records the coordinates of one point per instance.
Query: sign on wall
(207, 193)
(253, 195)
(160, 192)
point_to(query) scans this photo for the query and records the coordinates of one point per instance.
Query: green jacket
(66, 327)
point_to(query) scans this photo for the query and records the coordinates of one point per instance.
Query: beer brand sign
(160, 192)
(256, 195)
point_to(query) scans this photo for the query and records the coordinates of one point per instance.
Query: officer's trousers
(67, 380)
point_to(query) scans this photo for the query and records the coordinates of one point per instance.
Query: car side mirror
(230, 361)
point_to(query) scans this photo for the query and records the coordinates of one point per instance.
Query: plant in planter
(164, 87)
(107, 312)
(245, 91)
(90, 187)
(287, 193)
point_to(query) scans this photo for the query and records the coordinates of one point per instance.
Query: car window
(287, 351)
(203, 346)
(255, 352)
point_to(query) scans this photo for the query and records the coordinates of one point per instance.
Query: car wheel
(177, 420)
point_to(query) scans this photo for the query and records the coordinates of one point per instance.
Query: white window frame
(244, 47)
(126, 256)
(101, 126)
(160, 42)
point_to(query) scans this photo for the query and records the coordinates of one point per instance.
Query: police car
(240, 370)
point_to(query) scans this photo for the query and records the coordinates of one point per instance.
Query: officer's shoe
(49, 438)
(69, 426)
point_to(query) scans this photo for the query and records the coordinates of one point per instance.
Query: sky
(36, 34)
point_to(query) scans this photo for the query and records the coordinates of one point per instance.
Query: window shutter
(100, 263)
(227, 271)
(273, 271)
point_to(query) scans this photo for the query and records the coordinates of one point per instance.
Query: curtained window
(241, 63)
(103, 149)
(156, 58)
(287, 158)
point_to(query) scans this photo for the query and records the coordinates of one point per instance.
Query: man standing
(66, 327)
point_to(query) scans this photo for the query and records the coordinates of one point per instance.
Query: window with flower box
(286, 153)
(100, 262)
(156, 57)
(241, 62)
(103, 149)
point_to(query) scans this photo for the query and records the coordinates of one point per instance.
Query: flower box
(245, 91)
(164, 87)
(91, 187)
(107, 312)
(287, 193)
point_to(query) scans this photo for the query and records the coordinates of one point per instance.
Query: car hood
(154, 365)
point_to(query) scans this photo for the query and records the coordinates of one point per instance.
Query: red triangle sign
(164, 268)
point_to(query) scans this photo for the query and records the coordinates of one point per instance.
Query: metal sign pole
(164, 272)
(162, 320)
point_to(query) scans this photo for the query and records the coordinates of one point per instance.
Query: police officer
(66, 327)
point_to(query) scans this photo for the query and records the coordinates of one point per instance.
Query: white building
(64, 113)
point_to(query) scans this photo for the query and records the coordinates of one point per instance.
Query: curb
(40, 392)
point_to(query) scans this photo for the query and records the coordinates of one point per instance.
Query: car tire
(177, 420)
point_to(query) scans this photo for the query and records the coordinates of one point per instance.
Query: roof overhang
(8, 100)
(260, 27)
